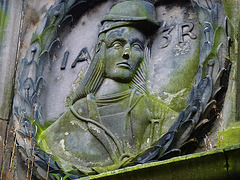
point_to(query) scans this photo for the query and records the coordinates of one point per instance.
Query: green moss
(185, 75)
(206, 165)
(172, 168)
(5, 108)
(74, 87)
(3, 23)
(40, 128)
(229, 136)
(232, 9)
(44, 36)
(44, 146)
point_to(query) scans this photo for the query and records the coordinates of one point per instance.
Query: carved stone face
(124, 52)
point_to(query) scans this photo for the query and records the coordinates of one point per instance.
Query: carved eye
(137, 46)
(117, 44)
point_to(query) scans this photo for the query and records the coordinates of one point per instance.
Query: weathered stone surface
(237, 106)
(231, 112)
(61, 83)
(10, 40)
(232, 9)
(33, 13)
(3, 128)
(229, 136)
(163, 78)
(233, 162)
(55, 87)
(9, 49)
(215, 164)
(175, 56)
(7, 157)
(20, 170)
(179, 57)
(8, 53)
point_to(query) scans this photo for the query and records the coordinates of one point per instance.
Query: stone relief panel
(175, 50)
(98, 92)
(80, 42)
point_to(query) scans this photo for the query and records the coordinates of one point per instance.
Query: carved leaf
(218, 15)
(208, 82)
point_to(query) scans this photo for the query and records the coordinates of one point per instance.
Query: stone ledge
(222, 163)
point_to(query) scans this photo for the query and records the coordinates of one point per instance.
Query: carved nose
(126, 53)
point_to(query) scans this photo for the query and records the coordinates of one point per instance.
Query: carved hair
(95, 73)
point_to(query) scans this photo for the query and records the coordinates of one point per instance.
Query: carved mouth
(124, 65)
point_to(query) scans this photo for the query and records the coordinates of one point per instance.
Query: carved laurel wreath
(203, 105)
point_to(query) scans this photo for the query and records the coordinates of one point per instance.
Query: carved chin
(123, 79)
(120, 75)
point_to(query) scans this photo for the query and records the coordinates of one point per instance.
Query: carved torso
(112, 130)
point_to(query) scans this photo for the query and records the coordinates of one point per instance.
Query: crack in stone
(227, 164)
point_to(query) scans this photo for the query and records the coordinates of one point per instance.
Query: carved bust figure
(116, 117)
(112, 119)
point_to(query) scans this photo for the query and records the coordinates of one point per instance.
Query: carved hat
(137, 13)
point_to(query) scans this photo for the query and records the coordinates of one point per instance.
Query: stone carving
(184, 29)
(64, 61)
(112, 121)
(82, 56)
(203, 103)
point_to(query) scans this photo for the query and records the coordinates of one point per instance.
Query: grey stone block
(8, 53)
